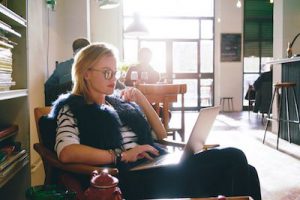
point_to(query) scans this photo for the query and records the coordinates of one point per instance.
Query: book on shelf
(17, 163)
(5, 68)
(8, 130)
(6, 85)
(4, 28)
(6, 40)
(12, 158)
(5, 76)
(5, 44)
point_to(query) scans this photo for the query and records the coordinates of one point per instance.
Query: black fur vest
(99, 125)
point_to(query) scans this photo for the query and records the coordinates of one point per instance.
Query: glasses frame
(107, 73)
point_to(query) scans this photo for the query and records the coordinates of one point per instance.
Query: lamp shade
(108, 4)
(137, 28)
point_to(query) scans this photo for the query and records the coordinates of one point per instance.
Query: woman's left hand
(131, 94)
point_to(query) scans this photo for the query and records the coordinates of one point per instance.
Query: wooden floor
(279, 170)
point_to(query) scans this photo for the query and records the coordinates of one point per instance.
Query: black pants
(206, 174)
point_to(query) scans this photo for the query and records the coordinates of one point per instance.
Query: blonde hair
(84, 60)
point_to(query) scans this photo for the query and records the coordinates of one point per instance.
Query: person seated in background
(60, 81)
(144, 58)
(97, 128)
(263, 91)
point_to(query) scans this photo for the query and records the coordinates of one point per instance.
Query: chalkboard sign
(230, 47)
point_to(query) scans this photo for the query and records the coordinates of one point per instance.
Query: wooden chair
(164, 95)
(52, 165)
(50, 160)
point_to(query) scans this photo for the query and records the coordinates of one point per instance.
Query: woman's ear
(86, 75)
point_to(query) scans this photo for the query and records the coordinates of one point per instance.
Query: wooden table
(214, 198)
(164, 95)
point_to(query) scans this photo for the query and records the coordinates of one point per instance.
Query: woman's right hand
(139, 152)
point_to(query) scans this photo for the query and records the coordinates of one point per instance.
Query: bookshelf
(14, 106)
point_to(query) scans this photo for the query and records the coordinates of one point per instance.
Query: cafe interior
(208, 53)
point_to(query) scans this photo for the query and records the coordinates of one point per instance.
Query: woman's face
(101, 78)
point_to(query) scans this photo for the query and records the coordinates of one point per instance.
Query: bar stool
(283, 86)
(229, 103)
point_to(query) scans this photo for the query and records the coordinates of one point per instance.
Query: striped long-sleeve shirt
(67, 132)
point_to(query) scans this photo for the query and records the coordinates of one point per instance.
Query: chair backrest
(164, 95)
(38, 113)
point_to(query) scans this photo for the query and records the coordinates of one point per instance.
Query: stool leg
(279, 117)
(232, 105)
(268, 116)
(296, 107)
(221, 103)
(228, 104)
(287, 114)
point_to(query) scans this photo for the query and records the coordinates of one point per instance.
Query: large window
(258, 40)
(177, 33)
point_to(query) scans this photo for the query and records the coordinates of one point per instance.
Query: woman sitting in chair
(94, 127)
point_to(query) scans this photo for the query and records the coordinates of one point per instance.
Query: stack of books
(6, 69)
(11, 154)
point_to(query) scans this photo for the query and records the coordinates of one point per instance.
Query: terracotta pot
(103, 187)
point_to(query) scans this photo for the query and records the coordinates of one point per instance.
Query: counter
(284, 60)
(290, 73)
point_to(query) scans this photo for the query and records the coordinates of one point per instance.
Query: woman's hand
(139, 152)
(132, 94)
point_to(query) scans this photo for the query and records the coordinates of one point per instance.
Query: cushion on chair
(48, 127)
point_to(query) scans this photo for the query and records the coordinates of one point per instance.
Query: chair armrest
(51, 158)
(169, 142)
(173, 143)
(210, 146)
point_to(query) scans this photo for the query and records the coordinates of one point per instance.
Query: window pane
(206, 56)
(206, 92)
(188, 8)
(251, 64)
(184, 57)
(190, 98)
(158, 61)
(206, 29)
(169, 28)
(130, 51)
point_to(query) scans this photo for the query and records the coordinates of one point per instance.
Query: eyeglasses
(108, 73)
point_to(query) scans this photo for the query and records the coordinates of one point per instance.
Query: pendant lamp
(108, 4)
(136, 28)
(238, 4)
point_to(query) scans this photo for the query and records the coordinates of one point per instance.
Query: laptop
(195, 143)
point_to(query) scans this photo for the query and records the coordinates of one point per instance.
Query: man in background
(263, 91)
(264, 77)
(144, 58)
(60, 81)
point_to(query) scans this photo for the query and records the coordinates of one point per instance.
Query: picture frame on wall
(231, 47)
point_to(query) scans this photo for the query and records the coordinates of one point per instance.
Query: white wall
(37, 60)
(50, 37)
(67, 22)
(286, 27)
(228, 75)
(106, 25)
